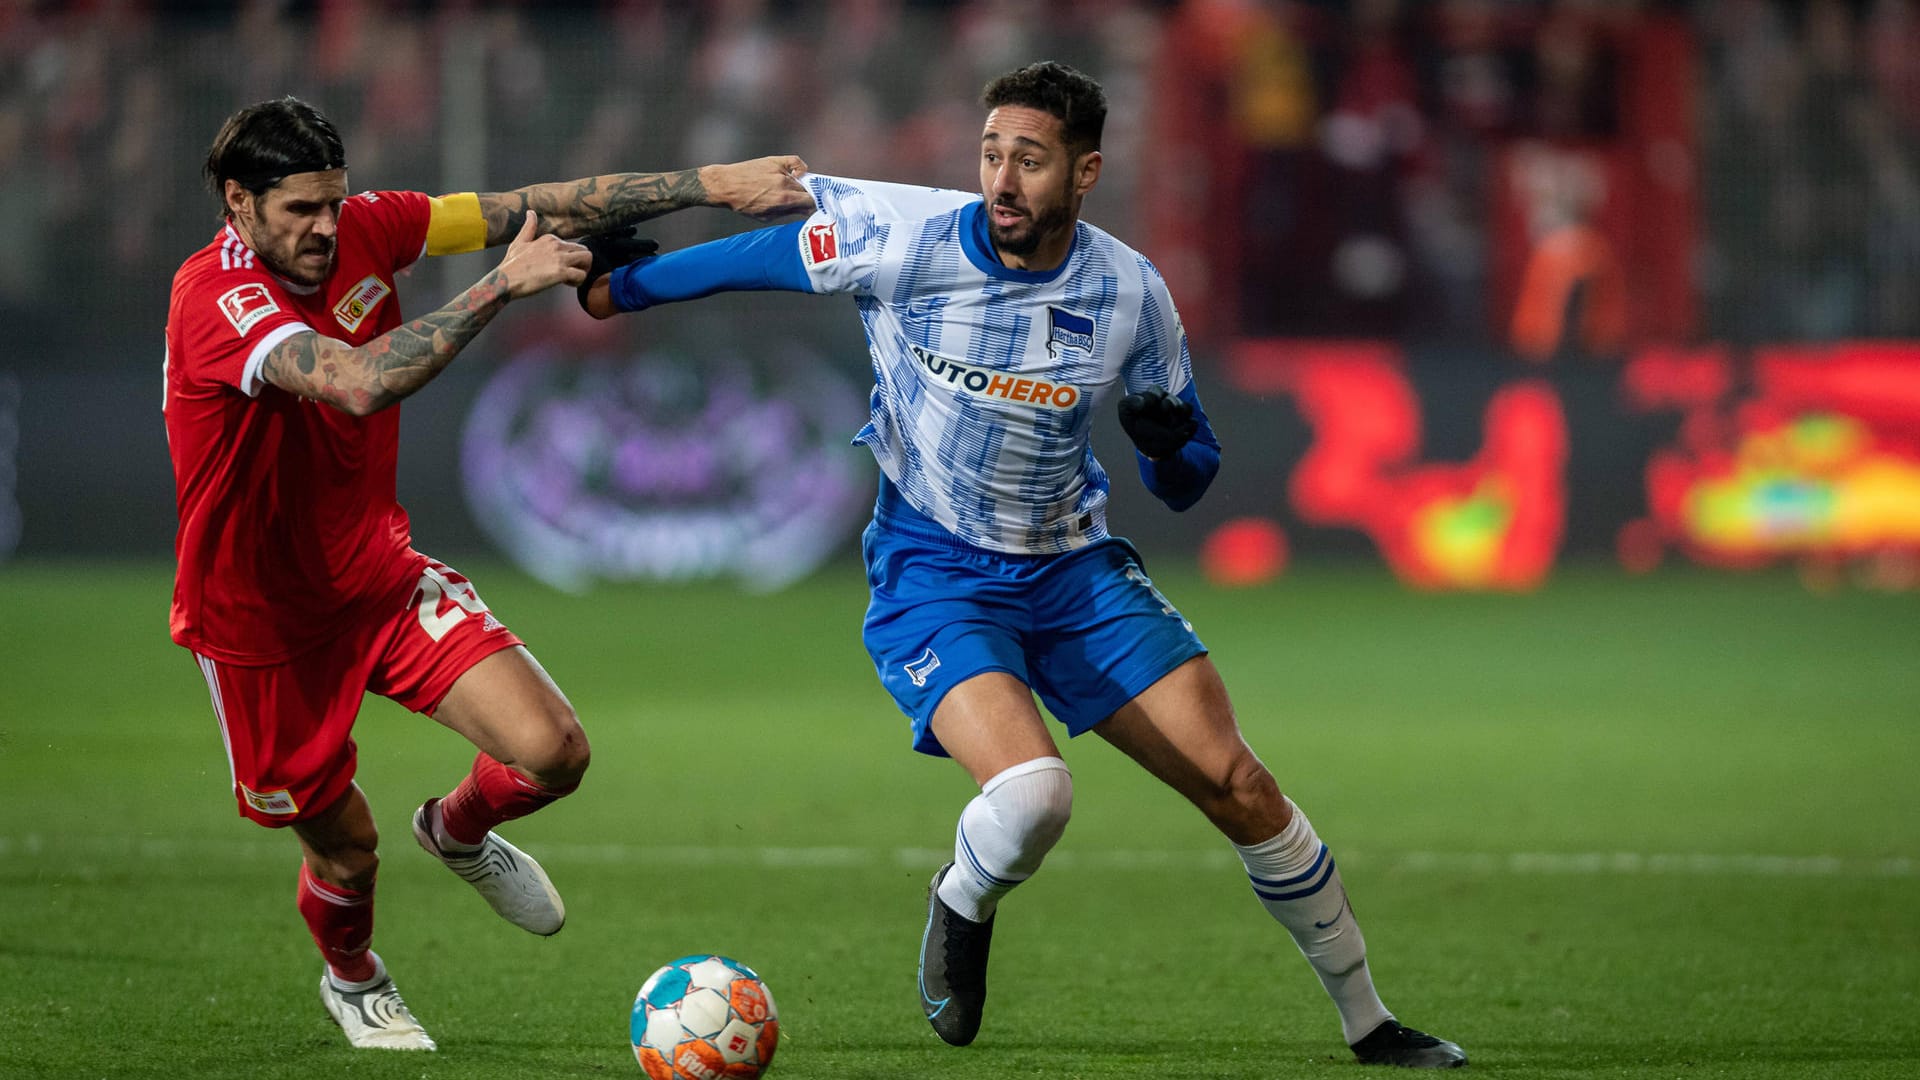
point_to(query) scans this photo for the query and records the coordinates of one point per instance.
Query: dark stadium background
(1306, 174)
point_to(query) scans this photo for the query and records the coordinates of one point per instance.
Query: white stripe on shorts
(219, 711)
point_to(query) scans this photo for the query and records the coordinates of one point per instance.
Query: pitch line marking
(1519, 863)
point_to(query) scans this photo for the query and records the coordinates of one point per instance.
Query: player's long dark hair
(267, 142)
(1053, 87)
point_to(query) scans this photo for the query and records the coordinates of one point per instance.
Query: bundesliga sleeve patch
(819, 244)
(245, 305)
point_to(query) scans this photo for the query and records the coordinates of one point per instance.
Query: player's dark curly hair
(1055, 88)
(269, 141)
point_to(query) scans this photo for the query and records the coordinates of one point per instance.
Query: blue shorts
(1086, 630)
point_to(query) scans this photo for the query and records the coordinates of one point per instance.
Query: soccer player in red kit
(297, 588)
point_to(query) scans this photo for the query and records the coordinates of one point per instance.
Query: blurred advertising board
(1464, 473)
(1454, 467)
(652, 467)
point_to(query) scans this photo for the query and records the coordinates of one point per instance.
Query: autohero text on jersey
(996, 384)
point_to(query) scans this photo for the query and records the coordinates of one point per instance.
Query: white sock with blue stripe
(1004, 833)
(1294, 876)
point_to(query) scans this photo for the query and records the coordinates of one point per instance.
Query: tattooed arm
(362, 380)
(763, 188)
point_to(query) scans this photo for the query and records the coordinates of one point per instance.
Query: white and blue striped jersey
(987, 379)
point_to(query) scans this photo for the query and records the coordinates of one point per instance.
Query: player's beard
(1024, 238)
(282, 252)
(300, 274)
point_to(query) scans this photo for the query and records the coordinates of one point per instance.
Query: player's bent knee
(1247, 804)
(1252, 784)
(1041, 804)
(349, 867)
(559, 764)
(341, 844)
(1047, 825)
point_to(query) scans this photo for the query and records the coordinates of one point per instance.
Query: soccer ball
(704, 1017)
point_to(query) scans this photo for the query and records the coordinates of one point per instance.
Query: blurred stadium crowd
(1324, 169)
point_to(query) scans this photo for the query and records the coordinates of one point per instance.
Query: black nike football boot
(1393, 1043)
(953, 968)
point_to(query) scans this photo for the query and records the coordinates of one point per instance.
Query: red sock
(341, 921)
(491, 793)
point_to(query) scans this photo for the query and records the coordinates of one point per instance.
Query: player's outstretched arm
(365, 379)
(764, 189)
(752, 261)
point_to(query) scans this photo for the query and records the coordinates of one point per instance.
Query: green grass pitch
(1654, 827)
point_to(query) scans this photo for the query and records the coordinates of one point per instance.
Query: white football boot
(508, 878)
(374, 1018)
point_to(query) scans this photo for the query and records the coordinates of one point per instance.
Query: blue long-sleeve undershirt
(756, 261)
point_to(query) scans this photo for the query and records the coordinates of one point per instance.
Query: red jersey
(289, 524)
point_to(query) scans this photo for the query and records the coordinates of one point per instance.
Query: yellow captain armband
(454, 224)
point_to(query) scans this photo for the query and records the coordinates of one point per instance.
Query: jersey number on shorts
(1140, 578)
(433, 587)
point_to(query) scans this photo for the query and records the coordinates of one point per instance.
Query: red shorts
(289, 727)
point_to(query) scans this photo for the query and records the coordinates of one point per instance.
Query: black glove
(612, 250)
(1158, 423)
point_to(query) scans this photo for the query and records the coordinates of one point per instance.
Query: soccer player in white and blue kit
(998, 326)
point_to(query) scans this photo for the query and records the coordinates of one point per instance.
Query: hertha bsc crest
(923, 667)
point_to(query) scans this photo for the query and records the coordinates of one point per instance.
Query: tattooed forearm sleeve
(578, 207)
(365, 379)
